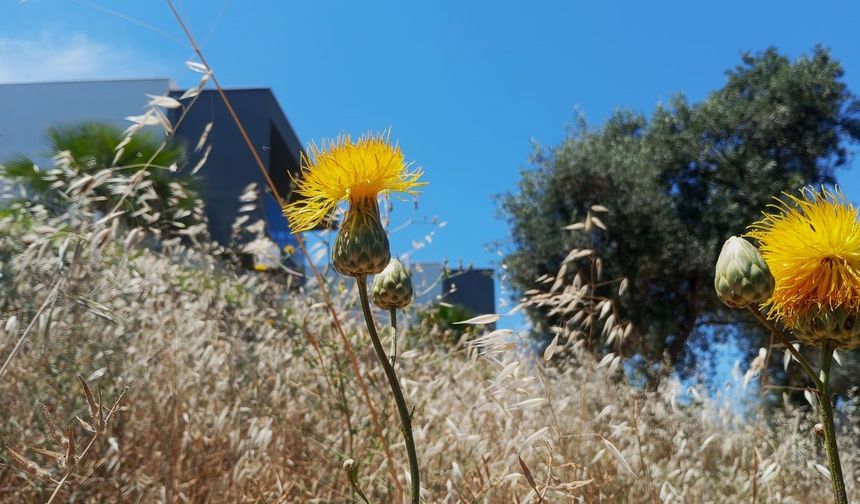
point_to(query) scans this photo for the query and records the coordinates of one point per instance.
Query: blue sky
(465, 86)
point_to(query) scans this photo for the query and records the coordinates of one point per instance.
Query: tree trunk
(677, 350)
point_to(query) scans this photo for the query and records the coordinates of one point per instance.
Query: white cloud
(68, 56)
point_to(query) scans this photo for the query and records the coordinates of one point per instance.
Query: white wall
(426, 282)
(27, 110)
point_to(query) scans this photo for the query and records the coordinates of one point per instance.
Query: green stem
(357, 490)
(392, 315)
(785, 341)
(405, 417)
(822, 389)
(351, 467)
(829, 425)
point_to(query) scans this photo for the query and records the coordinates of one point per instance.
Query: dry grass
(239, 391)
(234, 387)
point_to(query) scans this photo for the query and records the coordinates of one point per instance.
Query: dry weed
(239, 390)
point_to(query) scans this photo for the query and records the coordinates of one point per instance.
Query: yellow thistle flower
(343, 170)
(812, 247)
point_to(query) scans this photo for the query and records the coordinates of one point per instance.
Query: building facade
(230, 166)
(28, 110)
(469, 288)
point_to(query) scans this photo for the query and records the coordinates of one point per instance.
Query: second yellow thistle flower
(812, 246)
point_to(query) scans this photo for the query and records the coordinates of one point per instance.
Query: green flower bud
(393, 287)
(839, 326)
(742, 278)
(361, 245)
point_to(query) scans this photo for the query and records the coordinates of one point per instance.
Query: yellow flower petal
(343, 170)
(812, 247)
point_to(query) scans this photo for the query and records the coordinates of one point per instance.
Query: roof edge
(168, 80)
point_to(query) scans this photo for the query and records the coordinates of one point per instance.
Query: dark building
(230, 167)
(469, 288)
(472, 289)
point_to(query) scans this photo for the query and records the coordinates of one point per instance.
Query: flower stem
(829, 426)
(392, 353)
(785, 341)
(822, 389)
(405, 417)
(352, 474)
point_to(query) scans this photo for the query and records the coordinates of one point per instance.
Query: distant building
(28, 110)
(472, 288)
(230, 167)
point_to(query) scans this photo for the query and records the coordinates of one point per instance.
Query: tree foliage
(678, 183)
(118, 172)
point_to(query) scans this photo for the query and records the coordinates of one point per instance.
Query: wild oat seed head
(343, 170)
(812, 245)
